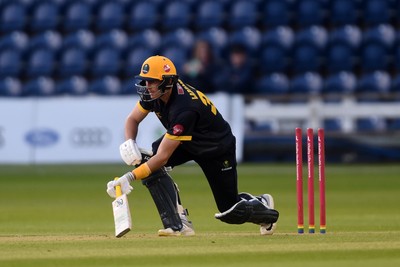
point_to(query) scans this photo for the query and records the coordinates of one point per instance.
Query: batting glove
(123, 181)
(130, 152)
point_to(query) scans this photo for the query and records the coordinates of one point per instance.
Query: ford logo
(41, 137)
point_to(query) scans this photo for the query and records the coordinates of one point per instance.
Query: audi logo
(90, 137)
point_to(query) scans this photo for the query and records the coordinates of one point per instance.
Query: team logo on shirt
(177, 129)
(167, 68)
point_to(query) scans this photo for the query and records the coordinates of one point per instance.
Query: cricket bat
(122, 214)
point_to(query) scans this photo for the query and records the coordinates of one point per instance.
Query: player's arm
(133, 120)
(168, 145)
(129, 150)
(180, 131)
(164, 152)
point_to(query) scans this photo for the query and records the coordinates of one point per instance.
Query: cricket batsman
(195, 130)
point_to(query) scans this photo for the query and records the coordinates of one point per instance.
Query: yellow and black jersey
(190, 117)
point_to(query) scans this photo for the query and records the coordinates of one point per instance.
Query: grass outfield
(61, 216)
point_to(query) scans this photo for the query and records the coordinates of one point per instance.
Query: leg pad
(249, 210)
(164, 194)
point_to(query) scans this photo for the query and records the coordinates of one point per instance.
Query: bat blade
(122, 214)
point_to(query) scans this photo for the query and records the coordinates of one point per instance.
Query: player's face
(152, 87)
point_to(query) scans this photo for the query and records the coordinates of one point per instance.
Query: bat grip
(118, 191)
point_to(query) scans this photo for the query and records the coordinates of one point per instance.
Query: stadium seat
(342, 47)
(250, 37)
(340, 57)
(11, 86)
(276, 45)
(177, 14)
(73, 61)
(309, 13)
(274, 58)
(217, 37)
(78, 16)
(82, 38)
(116, 39)
(281, 35)
(178, 55)
(110, 15)
(135, 59)
(384, 33)
(181, 37)
(370, 124)
(143, 15)
(307, 83)
(243, 13)
(376, 48)
(332, 125)
(149, 38)
(374, 57)
(209, 14)
(107, 85)
(276, 13)
(343, 12)
(41, 62)
(376, 12)
(51, 40)
(375, 82)
(373, 87)
(13, 17)
(106, 62)
(10, 63)
(40, 86)
(74, 86)
(45, 16)
(16, 40)
(273, 84)
(308, 49)
(340, 83)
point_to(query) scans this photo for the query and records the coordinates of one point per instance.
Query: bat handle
(118, 191)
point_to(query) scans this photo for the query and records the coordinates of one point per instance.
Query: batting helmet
(156, 68)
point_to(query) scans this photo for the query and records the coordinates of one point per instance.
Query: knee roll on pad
(164, 194)
(248, 209)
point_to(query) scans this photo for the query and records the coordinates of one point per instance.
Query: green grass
(60, 215)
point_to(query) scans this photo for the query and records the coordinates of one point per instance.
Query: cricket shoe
(267, 229)
(187, 229)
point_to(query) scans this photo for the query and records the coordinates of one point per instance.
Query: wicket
(321, 179)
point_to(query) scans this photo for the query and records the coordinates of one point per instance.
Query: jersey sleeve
(181, 128)
(145, 107)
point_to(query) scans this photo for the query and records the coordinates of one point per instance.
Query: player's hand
(130, 152)
(123, 181)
